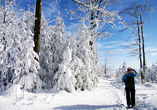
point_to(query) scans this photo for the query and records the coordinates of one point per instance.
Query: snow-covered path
(109, 95)
(103, 97)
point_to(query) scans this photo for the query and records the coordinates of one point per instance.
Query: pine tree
(17, 46)
(151, 75)
(26, 54)
(8, 21)
(88, 72)
(64, 77)
(121, 71)
(53, 38)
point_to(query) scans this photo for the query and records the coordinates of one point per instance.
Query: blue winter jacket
(132, 73)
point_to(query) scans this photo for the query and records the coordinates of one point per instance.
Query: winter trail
(105, 96)
(109, 95)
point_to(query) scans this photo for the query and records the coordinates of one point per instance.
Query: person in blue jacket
(128, 79)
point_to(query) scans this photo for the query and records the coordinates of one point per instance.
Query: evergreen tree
(52, 46)
(17, 52)
(89, 69)
(121, 71)
(151, 76)
(26, 53)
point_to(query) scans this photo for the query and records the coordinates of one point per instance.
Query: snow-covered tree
(8, 21)
(151, 76)
(46, 61)
(65, 77)
(107, 64)
(51, 50)
(99, 16)
(89, 70)
(6, 43)
(136, 12)
(17, 45)
(124, 67)
(121, 71)
(26, 53)
(77, 70)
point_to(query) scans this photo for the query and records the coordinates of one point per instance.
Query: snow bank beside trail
(109, 95)
(146, 95)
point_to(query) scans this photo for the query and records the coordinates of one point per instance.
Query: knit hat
(129, 68)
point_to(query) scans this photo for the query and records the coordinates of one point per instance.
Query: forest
(36, 54)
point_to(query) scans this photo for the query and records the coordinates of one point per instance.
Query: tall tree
(137, 11)
(37, 26)
(17, 55)
(89, 71)
(51, 53)
(98, 15)
(135, 23)
(143, 11)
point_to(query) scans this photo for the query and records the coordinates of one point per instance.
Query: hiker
(128, 78)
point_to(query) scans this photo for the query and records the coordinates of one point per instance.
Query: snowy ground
(109, 95)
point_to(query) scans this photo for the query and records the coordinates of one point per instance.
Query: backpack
(129, 82)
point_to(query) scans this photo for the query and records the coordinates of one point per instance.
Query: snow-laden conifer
(151, 75)
(17, 47)
(88, 72)
(8, 25)
(51, 50)
(28, 58)
(121, 71)
(63, 54)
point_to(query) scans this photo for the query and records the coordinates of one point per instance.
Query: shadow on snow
(74, 107)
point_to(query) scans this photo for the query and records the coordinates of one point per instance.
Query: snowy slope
(109, 95)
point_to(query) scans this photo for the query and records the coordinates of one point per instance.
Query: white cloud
(120, 51)
(99, 45)
(120, 27)
(113, 44)
(151, 49)
(110, 46)
(49, 9)
(114, 47)
(153, 54)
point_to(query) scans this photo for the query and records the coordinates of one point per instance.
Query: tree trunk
(4, 17)
(37, 26)
(91, 27)
(143, 48)
(105, 71)
(139, 39)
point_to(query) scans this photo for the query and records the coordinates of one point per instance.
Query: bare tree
(143, 11)
(131, 10)
(99, 16)
(137, 11)
(107, 61)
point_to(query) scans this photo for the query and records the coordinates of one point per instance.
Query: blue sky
(113, 44)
